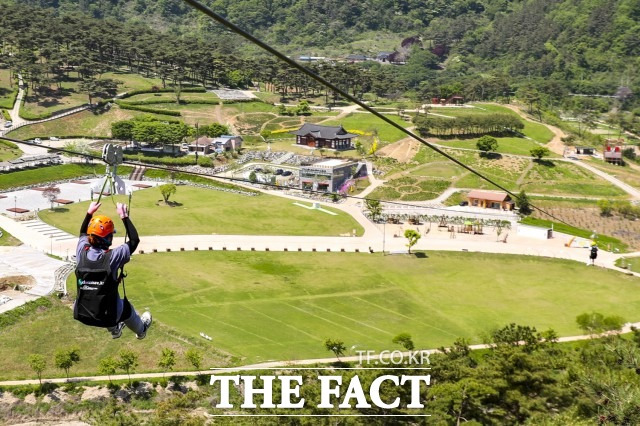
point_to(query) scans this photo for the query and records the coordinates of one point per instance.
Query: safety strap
(123, 274)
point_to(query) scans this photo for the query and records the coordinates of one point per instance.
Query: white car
(38, 141)
(8, 124)
(53, 138)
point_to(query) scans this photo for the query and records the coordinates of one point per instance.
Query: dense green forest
(538, 50)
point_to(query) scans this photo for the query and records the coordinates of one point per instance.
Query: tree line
(468, 125)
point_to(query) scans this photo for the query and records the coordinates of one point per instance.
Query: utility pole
(384, 234)
(196, 143)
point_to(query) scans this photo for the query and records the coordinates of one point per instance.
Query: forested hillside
(538, 49)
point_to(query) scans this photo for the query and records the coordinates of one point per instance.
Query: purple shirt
(119, 255)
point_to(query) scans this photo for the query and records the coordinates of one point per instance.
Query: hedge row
(165, 90)
(167, 161)
(237, 101)
(126, 105)
(6, 115)
(197, 102)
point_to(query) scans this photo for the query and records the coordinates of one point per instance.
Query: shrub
(605, 207)
(205, 161)
(6, 115)
(629, 153)
(132, 107)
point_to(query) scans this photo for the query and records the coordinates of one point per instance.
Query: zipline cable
(245, 181)
(221, 20)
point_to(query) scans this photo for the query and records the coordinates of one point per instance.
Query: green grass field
(8, 89)
(536, 131)
(368, 123)
(68, 96)
(261, 306)
(519, 146)
(84, 123)
(132, 81)
(558, 178)
(48, 174)
(445, 170)
(8, 240)
(631, 263)
(9, 151)
(204, 211)
(53, 327)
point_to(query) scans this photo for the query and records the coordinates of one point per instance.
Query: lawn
(133, 81)
(519, 146)
(456, 198)
(84, 123)
(52, 327)
(217, 212)
(50, 174)
(53, 99)
(562, 178)
(536, 131)
(9, 151)
(630, 263)
(368, 123)
(7, 239)
(8, 92)
(261, 306)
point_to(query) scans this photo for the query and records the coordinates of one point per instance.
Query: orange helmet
(100, 226)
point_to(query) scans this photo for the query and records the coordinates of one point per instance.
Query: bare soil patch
(403, 150)
(9, 282)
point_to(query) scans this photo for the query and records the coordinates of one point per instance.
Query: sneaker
(146, 320)
(116, 331)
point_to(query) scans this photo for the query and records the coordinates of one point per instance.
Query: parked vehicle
(38, 141)
(53, 138)
(287, 173)
(8, 124)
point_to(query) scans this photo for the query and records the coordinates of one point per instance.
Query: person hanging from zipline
(99, 273)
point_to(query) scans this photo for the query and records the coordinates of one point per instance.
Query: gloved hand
(122, 210)
(93, 207)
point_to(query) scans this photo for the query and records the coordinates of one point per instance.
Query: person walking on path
(98, 302)
(593, 254)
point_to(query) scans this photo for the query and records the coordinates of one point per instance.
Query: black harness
(97, 298)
